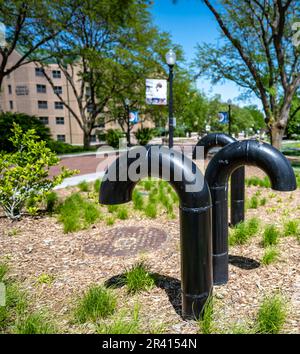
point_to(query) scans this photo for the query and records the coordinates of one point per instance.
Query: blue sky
(190, 22)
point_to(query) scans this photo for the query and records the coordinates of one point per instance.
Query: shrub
(24, 173)
(271, 315)
(113, 137)
(62, 148)
(263, 201)
(270, 256)
(98, 302)
(7, 122)
(138, 278)
(270, 236)
(291, 228)
(77, 213)
(144, 135)
(110, 221)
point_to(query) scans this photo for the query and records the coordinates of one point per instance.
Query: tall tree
(29, 26)
(258, 54)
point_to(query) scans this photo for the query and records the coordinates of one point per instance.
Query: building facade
(27, 90)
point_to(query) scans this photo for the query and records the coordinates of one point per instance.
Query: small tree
(24, 173)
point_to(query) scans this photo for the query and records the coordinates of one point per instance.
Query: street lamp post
(229, 116)
(171, 60)
(127, 103)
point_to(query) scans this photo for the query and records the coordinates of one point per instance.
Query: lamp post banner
(223, 117)
(156, 92)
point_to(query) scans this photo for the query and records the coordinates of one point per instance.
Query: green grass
(291, 228)
(270, 256)
(271, 315)
(97, 302)
(151, 210)
(110, 221)
(122, 213)
(260, 182)
(3, 270)
(34, 323)
(16, 304)
(138, 278)
(148, 184)
(51, 202)
(112, 208)
(270, 236)
(242, 232)
(253, 202)
(206, 321)
(263, 201)
(45, 279)
(77, 213)
(239, 329)
(84, 186)
(121, 325)
(138, 200)
(97, 185)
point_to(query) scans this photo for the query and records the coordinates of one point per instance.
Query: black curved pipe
(227, 160)
(195, 214)
(237, 200)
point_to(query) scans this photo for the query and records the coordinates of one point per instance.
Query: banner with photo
(156, 92)
(223, 117)
(133, 117)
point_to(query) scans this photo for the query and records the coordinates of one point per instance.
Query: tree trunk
(86, 140)
(277, 133)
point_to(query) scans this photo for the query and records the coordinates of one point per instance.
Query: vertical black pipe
(195, 216)
(171, 118)
(227, 160)
(237, 200)
(229, 119)
(196, 273)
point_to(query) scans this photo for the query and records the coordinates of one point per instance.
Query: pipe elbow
(212, 140)
(155, 161)
(255, 153)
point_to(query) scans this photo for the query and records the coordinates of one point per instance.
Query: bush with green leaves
(113, 137)
(144, 135)
(25, 173)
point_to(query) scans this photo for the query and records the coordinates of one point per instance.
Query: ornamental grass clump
(25, 173)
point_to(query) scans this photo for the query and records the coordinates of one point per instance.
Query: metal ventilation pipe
(227, 160)
(195, 212)
(237, 200)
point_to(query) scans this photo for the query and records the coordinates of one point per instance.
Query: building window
(9, 89)
(93, 138)
(11, 105)
(42, 104)
(61, 137)
(60, 120)
(39, 72)
(44, 120)
(58, 105)
(40, 88)
(22, 90)
(56, 74)
(57, 89)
